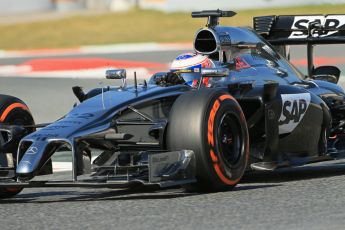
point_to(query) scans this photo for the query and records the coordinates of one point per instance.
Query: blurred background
(20, 6)
(32, 24)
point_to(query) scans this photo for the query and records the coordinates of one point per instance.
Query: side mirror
(215, 72)
(326, 77)
(326, 73)
(116, 74)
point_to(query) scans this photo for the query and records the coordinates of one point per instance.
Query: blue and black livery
(255, 114)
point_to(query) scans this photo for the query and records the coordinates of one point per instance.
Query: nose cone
(31, 159)
(24, 167)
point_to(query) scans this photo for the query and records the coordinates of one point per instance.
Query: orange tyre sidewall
(217, 165)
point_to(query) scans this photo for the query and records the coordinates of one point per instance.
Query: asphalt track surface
(309, 197)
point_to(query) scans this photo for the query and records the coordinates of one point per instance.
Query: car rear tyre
(13, 111)
(212, 124)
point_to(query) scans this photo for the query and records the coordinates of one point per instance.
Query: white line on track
(98, 49)
(97, 73)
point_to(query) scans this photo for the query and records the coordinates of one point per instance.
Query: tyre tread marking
(10, 108)
(223, 178)
(216, 163)
(226, 96)
(213, 156)
(210, 124)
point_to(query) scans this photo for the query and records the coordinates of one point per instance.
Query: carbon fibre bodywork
(94, 116)
(129, 124)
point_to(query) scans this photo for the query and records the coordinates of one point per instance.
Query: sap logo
(331, 22)
(293, 111)
(294, 107)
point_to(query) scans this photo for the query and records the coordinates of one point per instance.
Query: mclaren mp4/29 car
(256, 111)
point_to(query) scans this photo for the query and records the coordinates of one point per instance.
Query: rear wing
(301, 29)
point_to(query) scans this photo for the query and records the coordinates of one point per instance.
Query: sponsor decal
(70, 122)
(224, 39)
(85, 116)
(55, 127)
(32, 150)
(185, 56)
(329, 22)
(294, 107)
(44, 135)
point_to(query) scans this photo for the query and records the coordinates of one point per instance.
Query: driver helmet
(188, 66)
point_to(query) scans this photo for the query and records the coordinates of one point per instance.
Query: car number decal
(294, 107)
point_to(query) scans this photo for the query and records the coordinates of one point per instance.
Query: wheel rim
(2, 139)
(11, 119)
(229, 140)
(6, 136)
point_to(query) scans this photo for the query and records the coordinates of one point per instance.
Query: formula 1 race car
(256, 111)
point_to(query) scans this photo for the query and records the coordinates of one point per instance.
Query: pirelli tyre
(212, 124)
(13, 111)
